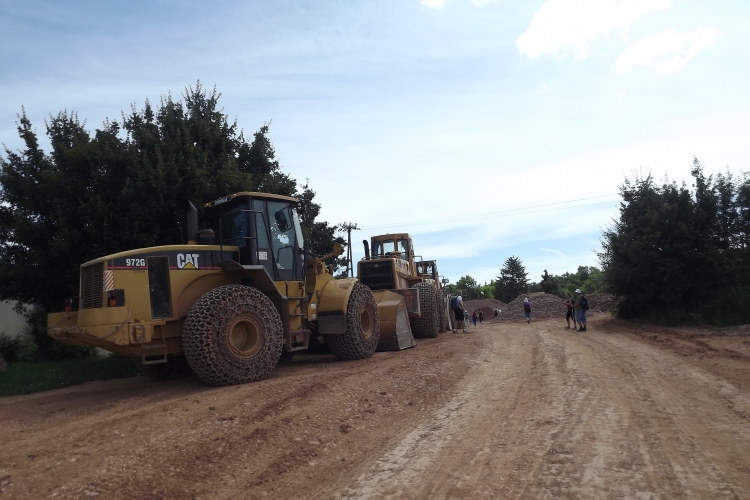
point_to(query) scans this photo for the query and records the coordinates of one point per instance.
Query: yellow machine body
(134, 303)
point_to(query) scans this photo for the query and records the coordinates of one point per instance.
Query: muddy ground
(509, 410)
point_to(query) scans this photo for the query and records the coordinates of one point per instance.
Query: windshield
(283, 234)
(380, 248)
(403, 248)
(234, 228)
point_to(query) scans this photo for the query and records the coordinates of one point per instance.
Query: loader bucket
(395, 331)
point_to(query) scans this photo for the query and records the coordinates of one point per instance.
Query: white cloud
(434, 4)
(553, 251)
(667, 50)
(480, 3)
(563, 28)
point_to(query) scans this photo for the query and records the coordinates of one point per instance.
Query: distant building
(10, 321)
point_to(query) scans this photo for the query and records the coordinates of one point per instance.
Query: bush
(25, 378)
(20, 348)
(730, 307)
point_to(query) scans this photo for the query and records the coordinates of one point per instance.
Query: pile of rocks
(544, 305)
(486, 305)
(601, 302)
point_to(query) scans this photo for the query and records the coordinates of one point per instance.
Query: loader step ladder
(299, 339)
(154, 354)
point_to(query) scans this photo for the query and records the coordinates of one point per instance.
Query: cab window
(403, 248)
(234, 228)
(284, 243)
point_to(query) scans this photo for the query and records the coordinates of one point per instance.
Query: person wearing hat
(527, 310)
(580, 313)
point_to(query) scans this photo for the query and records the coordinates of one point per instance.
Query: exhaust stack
(367, 249)
(192, 224)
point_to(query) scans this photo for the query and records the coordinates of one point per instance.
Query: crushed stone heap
(486, 305)
(544, 305)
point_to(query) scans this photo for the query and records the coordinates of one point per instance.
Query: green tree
(469, 286)
(123, 187)
(549, 284)
(673, 250)
(513, 280)
(487, 291)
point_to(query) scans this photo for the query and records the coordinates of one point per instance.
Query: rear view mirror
(282, 222)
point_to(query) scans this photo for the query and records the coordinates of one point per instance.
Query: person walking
(481, 317)
(527, 310)
(457, 304)
(580, 304)
(474, 317)
(569, 315)
(466, 318)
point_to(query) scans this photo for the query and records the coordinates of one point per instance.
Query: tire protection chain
(205, 336)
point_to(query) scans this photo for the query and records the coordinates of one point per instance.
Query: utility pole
(349, 227)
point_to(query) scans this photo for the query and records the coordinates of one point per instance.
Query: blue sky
(484, 128)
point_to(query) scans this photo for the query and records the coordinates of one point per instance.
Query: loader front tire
(427, 325)
(232, 335)
(362, 327)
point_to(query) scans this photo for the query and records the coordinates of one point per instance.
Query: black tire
(428, 324)
(175, 367)
(362, 327)
(233, 335)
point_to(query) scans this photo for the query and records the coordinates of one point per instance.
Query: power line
(509, 212)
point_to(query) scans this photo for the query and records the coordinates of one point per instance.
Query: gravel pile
(601, 302)
(486, 305)
(544, 305)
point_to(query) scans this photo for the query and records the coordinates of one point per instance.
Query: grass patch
(25, 378)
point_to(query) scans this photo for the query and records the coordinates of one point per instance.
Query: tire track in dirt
(550, 413)
(680, 414)
(508, 411)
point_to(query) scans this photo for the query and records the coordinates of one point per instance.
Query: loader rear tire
(232, 335)
(362, 326)
(428, 324)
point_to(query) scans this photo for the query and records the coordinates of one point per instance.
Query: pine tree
(513, 280)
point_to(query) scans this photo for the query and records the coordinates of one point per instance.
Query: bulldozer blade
(395, 330)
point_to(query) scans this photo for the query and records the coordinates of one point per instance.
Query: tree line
(673, 254)
(124, 186)
(513, 281)
(677, 253)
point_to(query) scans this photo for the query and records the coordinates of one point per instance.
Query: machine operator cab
(391, 245)
(428, 269)
(265, 227)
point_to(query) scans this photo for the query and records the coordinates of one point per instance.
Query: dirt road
(508, 411)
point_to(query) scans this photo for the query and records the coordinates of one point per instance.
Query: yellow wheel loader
(390, 265)
(227, 304)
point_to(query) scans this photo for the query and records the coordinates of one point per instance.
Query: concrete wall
(10, 322)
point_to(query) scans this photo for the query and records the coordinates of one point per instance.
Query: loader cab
(391, 245)
(427, 269)
(266, 229)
